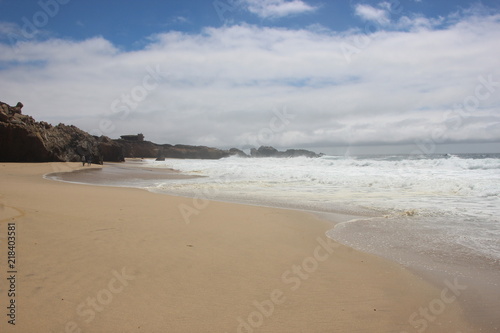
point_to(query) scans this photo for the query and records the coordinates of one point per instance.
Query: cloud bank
(417, 81)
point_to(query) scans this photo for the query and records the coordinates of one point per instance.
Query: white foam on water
(458, 197)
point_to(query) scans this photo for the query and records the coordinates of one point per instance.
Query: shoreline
(144, 173)
(481, 309)
(231, 268)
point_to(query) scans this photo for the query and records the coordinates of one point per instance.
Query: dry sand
(105, 259)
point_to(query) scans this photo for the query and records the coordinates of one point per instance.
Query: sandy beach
(108, 259)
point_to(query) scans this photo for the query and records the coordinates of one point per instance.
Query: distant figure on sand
(83, 160)
(89, 160)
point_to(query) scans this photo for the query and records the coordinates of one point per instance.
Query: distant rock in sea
(267, 151)
(237, 152)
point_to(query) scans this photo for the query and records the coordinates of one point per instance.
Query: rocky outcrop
(22, 139)
(6, 111)
(300, 153)
(264, 151)
(147, 149)
(267, 151)
(237, 152)
(139, 149)
(110, 150)
(196, 152)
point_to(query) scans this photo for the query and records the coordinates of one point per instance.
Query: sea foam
(457, 197)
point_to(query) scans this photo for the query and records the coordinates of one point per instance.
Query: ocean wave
(450, 184)
(451, 195)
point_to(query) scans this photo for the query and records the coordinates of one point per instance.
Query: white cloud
(223, 86)
(369, 13)
(277, 8)
(418, 22)
(179, 20)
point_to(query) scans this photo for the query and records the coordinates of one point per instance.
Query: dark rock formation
(266, 151)
(147, 149)
(237, 152)
(110, 150)
(22, 139)
(300, 153)
(197, 152)
(138, 149)
(7, 110)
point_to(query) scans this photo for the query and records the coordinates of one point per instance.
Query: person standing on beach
(83, 160)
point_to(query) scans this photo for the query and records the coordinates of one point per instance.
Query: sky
(407, 76)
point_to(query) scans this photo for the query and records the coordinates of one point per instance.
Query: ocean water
(436, 212)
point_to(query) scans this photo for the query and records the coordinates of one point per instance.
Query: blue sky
(129, 23)
(222, 73)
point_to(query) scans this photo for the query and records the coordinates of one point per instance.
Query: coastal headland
(23, 139)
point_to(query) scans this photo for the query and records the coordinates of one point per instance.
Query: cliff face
(197, 152)
(147, 149)
(22, 139)
(138, 149)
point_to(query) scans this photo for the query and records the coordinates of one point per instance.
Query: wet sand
(116, 174)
